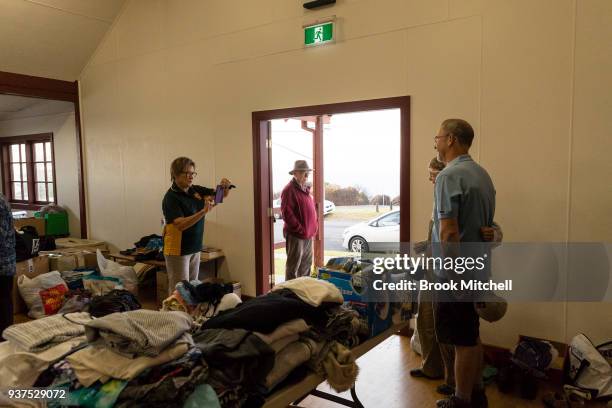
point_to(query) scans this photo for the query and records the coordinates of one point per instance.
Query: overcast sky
(359, 149)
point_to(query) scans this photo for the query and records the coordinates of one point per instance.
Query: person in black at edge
(7, 264)
(185, 206)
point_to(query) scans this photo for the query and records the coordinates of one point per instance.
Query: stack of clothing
(290, 326)
(201, 300)
(33, 346)
(146, 248)
(124, 350)
(236, 355)
(117, 300)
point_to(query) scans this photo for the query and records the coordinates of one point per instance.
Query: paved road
(332, 232)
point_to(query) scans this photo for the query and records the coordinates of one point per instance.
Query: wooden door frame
(261, 170)
(54, 89)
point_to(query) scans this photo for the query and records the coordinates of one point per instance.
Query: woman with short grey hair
(185, 206)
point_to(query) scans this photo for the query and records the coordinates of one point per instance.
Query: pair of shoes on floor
(419, 373)
(445, 389)
(479, 400)
(559, 400)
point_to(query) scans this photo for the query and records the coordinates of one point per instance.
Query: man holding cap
(300, 217)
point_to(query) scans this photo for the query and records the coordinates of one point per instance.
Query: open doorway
(360, 152)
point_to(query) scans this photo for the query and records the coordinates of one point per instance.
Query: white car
(328, 208)
(384, 228)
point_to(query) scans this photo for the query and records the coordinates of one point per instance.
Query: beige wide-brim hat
(300, 165)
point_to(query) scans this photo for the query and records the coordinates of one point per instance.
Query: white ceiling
(52, 38)
(14, 107)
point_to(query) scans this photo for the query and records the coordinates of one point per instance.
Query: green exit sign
(319, 34)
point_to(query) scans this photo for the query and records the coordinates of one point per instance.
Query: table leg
(355, 403)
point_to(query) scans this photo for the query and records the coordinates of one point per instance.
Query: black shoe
(452, 402)
(445, 389)
(479, 399)
(417, 372)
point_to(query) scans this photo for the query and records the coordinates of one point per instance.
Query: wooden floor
(385, 382)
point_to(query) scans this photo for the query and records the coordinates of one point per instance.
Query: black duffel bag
(27, 243)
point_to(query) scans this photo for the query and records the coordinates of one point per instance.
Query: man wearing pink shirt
(301, 224)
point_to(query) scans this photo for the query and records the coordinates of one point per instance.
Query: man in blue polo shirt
(464, 201)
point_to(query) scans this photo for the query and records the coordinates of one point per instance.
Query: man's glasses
(189, 173)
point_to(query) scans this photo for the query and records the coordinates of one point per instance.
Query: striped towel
(139, 332)
(42, 334)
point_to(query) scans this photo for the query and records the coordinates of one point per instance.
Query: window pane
(40, 171)
(14, 153)
(25, 191)
(49, 172)
(17, 191)
(51, 192)
(24, 172)
(41, 192)
(39, 153)
(48, 150)
(15, 175)
(23, 155)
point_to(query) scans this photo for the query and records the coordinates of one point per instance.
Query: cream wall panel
(525, 115)
(140, 28)
(46, 34)
(372, 16)
(102, 10)
(591, 172)
(438, 93)
(543, 320)
(592, 319)
(106, 51)
(188, 21)
(464, 8)
(142, 110)
(354, 21)
(187, 120)
(106, 211)
(65, 148)
(525, 135)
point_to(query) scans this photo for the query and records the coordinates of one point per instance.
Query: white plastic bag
(31, 290)
(127, 274)
(415, 343)
(587, 367)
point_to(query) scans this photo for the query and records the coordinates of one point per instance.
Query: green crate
(57, 224)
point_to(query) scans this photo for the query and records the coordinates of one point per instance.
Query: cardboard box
(378, 316)
(211, 253)
(38, 223)
(69, 259)
(237, 288)
(78, 243)
(30, 268)
(350, 285)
